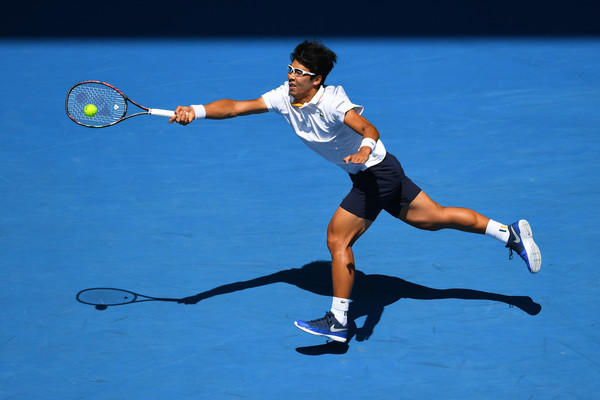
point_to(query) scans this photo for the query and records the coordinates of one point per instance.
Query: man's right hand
(183, 115)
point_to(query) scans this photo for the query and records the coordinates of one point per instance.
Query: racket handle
(161, 113)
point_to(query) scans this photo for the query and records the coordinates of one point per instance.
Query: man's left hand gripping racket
(97, 104)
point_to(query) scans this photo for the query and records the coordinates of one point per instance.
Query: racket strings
(110, 104)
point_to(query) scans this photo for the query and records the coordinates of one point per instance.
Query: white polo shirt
(320, 124)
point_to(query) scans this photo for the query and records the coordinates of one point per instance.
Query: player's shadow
(371, 294)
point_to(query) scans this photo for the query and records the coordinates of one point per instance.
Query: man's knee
(427, 225)
(336, 242)
(429, 216)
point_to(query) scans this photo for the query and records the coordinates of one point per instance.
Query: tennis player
(330, 124)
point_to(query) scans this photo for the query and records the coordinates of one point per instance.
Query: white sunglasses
(299, 71)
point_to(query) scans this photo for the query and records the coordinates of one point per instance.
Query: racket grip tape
(161, 113)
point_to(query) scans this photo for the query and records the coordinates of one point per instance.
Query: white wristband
(200, 111)
(368, 142)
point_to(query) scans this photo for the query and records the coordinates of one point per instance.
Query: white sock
(339, 308)
(498, 231)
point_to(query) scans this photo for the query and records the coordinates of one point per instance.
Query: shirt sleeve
(274, 99)
(341, 104)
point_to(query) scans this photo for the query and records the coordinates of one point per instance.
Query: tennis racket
(104, 297)
(110, 104)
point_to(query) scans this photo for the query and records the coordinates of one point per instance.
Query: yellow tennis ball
(90, 110)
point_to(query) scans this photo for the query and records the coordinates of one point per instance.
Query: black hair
(315, 56)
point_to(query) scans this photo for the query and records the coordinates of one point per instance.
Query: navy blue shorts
(381, 187)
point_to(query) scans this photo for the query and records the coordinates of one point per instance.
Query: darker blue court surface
(231, 217)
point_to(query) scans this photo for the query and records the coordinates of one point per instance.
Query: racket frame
(146, 111)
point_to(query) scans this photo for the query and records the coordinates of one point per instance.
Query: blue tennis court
(231, 216)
